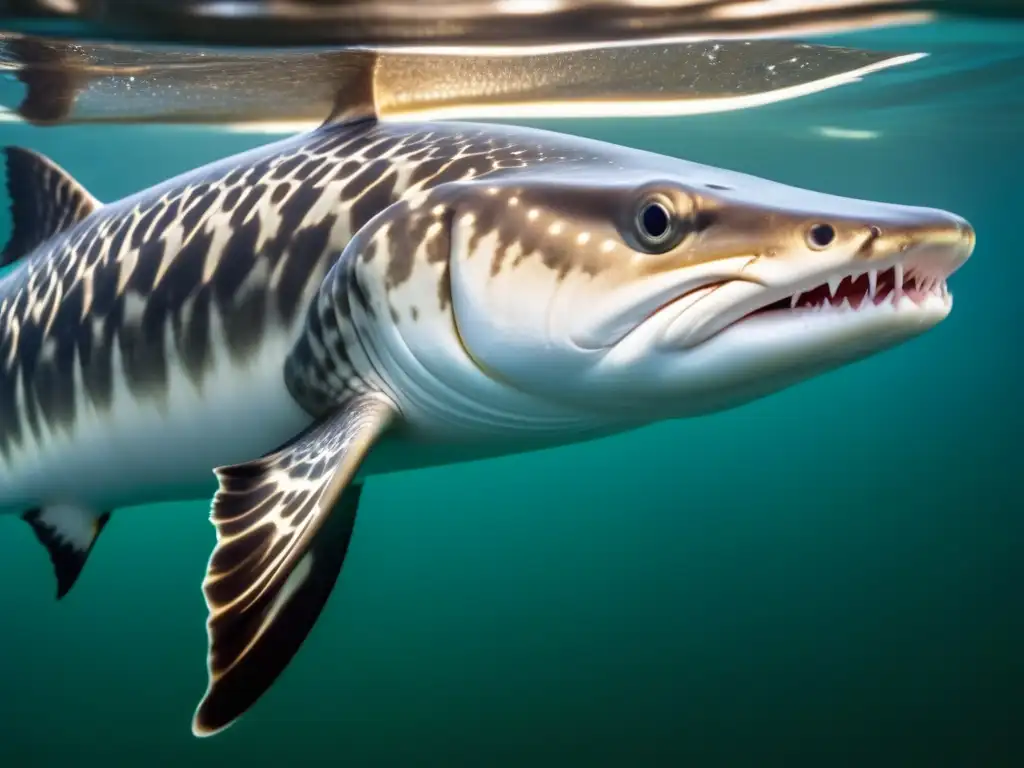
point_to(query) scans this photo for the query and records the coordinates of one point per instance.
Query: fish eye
(821, 236)
(653, 223)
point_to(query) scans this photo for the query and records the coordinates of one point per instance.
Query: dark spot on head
(720, 187)
(414, 313)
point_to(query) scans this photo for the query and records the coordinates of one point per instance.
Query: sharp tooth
(833, 285)
(897, 292)
(794, 301)
(845, 305)
(872, 282)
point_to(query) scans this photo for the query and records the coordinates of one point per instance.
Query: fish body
(139, 344)
(372, 296)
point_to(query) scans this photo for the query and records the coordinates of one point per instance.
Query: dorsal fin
(45, 201)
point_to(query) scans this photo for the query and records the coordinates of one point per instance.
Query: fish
(276, 327)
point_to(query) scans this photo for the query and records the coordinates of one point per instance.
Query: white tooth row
(924, 283)
(930, 284)
(834, 281)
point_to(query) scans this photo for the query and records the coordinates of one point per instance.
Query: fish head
(669, 288)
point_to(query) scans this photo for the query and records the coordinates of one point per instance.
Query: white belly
(143, 451)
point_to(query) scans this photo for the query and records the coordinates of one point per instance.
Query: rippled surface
(948, 67)
(376, 22)
(827, 577)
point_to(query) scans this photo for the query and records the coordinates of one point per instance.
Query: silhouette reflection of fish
(71, 84)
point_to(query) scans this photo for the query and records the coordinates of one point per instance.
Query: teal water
(829, 576)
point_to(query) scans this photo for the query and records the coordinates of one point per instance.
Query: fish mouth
(915, 282)
(877, 287)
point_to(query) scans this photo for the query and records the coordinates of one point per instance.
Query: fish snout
(930, 239)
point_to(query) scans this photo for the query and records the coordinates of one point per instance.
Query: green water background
(830, 576)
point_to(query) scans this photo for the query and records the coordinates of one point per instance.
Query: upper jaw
(909, 278)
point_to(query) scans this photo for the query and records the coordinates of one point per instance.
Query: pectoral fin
(279, 551)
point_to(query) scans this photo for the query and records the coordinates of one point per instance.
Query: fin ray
(279, 551)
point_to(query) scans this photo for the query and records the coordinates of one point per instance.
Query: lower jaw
(832, 330)
(901, 311)
(764, 353)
